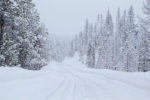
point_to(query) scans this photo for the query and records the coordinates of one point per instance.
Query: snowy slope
(71, 80)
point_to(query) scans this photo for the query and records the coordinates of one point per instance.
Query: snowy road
(70, 80)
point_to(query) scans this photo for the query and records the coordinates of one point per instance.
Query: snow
(13, 2)
(71, 80)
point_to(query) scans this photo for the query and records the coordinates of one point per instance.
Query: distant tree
(117, 37)
(108, 40)
(90, 59)
(125, 49)
(144, 60)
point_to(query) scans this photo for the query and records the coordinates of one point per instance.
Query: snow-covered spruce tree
(123, 35)
(86, 33)
(90, 59)
(42, 46)
(144, 60)
(72, 49)
(26, 36)
(85, 37)
(81, 45)
(32, 37)
(108, 41)
(8, 42)
(117, 37)
(100, 43)
(81, 42)
(130, 47)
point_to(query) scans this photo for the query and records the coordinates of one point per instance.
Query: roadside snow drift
(70, 80)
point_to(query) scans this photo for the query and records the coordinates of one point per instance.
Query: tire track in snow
(114, 83)
(94, 84)
(111, 78)
(57, 89)
(64, 90)
(76, 80)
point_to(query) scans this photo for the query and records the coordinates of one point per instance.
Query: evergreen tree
(144, 60)
(100, 41)
(117, 37)
(8, 45)
(90, 60)
(108, 41)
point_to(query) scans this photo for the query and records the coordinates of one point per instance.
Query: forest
(109, 59)
(122, 44)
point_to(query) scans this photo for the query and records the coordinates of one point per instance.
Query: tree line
(123, 45)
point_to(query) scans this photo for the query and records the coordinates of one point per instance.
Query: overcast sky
(67, 17)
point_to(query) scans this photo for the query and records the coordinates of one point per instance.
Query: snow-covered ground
(70, 80)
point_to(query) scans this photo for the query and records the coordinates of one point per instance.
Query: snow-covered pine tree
(90, 59)
(131, 46)
(42, 46)
(83, 41)
(26, 35)
(81, 45)
(108, 41)
(32, 37)
(144, 60)
(100, 41)
(8, 44)
(117, 38)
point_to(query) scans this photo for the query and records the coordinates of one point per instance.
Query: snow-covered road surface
(71, 80)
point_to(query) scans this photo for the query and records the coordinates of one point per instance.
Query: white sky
(67, 17)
